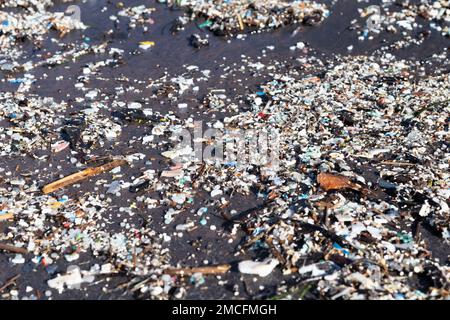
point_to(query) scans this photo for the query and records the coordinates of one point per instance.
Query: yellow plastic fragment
(146, 44)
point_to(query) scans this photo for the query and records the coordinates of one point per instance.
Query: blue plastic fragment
(16, 80)
(338, 247)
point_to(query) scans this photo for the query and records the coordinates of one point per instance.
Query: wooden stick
(241, 23)
(275, 251)
(398, 163)
(219, 269)
(9, 282)
(329, 181)
(82, 175)
(10, 248)
(7, 216)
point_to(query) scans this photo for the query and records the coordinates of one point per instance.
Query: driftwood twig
(219, 269)
(10, 248)
(7, 216)
(9, 282)
(82, 175)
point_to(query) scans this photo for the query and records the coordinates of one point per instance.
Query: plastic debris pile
(34, 25)
(26, 117)
(368, 124)
(414, 21)
(230, 17)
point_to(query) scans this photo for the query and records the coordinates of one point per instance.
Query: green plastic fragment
(207, 23)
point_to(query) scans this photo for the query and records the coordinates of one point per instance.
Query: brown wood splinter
(11, 248)
(328, 182)
(219, 269)
(82, 175)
